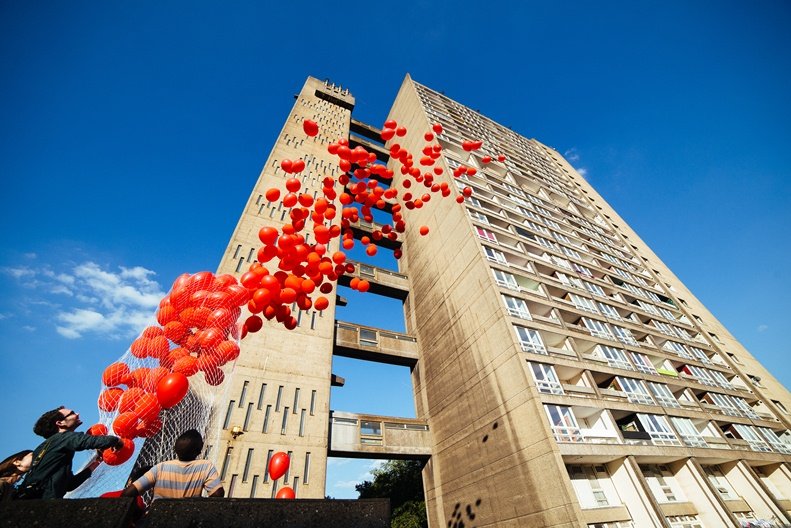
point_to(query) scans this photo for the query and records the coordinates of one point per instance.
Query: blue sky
(132, 134)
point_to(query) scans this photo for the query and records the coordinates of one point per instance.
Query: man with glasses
(50, 476)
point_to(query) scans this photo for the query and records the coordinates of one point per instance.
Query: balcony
(383, 281)
(374, 344)
(385, 437)
(363, 228)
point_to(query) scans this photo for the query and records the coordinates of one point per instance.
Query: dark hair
(189, 445)
(7, 467)
(46, 426)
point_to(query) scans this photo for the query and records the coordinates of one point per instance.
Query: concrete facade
(563, 376)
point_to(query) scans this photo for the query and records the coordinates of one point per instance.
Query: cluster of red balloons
(197, 332)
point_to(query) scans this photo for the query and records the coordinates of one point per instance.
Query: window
(775, 441)
(720, 379)
(642, 363)
(296, 399)
(480, 217)
(749, 434)
(244, 393)
(657, 427)
(563, 263)
(615, 357)
(662, 394)
(227, 420)
(494, 255)
(285, 421)
(265, 428)
(306, 471)
(662, 483)
(279, 396)
(261, 396)
(609, 311)
(486, 235)
(724, 402)
(530, 340)
(505, 279)
(546, 243)
(583, 303)
(563, 423)
(302, 422)
(581, 269)
(720, 482)
(597, 328)
(572, 253)
(516, 307)
(546, 378)
(266, 466)
(247, 461)
(635, 390)
(624, 335)
(226, 462)
(677, 348)
(368, 337)
(312, 403)
(247, 416)
(592, 486)
(595, 289)
(689, 433)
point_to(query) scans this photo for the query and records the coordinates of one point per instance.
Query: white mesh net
(197, 339)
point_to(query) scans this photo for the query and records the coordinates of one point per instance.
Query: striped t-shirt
(175, 479)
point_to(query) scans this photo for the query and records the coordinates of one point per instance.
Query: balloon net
(169, 379)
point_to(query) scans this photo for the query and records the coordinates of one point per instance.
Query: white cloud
(19, 273)
(572, 155)
(28, 328)
(763, 328)
(346, 484)
(333, 461)
(60, 288)
(582, 171)
(113, 303)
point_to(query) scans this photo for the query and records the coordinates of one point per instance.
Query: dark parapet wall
(73, 513)
(199, 512)
(254, 513)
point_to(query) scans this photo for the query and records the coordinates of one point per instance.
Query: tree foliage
(401, 482)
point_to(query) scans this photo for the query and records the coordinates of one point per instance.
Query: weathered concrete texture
(249, 513)
(76, 513)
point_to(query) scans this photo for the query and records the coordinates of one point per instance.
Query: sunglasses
(71, 413)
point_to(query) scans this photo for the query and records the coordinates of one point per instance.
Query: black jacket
(53, 471)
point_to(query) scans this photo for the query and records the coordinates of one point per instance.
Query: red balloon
(311, 128)
(97, 430)
(272, 195)
(278, 465)
(108, 399)
(321, 303)
(129, 399)
(115, 457)
(285, 493)
(115, 374)
(124, 425)
(171, 389)
(424, 230)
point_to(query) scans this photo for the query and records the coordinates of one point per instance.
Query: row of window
(566, 428)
